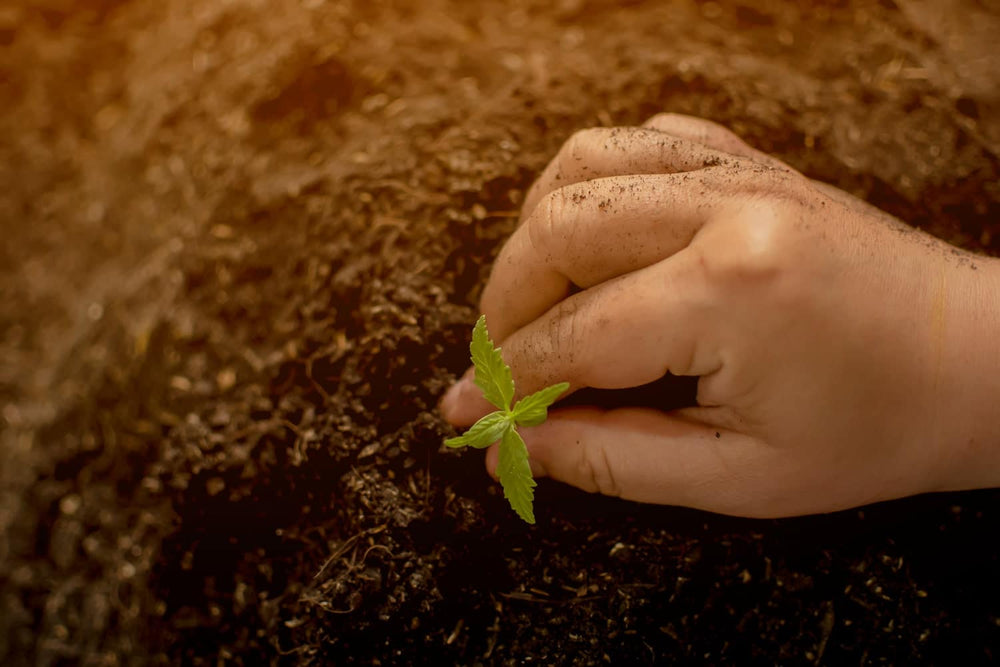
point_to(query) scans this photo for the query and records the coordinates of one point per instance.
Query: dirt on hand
(242, 246)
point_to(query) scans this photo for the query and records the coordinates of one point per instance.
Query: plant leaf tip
(494, 379)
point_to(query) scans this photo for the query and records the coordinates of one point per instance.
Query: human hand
(843, 357)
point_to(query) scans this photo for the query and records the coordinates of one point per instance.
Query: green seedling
(493, 377)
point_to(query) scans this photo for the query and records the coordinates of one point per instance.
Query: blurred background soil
(241, 247)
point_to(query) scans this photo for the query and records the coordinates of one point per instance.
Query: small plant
(493, 377)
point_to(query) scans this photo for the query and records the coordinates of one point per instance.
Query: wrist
(968, 381)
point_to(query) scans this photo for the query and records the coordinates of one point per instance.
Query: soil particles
(242, 246)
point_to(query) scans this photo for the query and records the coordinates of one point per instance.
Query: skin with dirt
(242, 247)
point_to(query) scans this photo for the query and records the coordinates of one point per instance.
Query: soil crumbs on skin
(242, 243)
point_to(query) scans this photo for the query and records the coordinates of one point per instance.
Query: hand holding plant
(843, 357)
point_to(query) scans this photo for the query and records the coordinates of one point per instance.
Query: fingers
(601, 152)
(721, 139)
(463, 404)
(624, 332)
(648, 456)
(712, 135)
(587, 233)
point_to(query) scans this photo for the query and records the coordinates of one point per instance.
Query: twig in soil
(371, 549)
(427, 485)
(348, 544)
(312, 596)
(316, 385)
(527, 597)
(294, 428)
(826, 627)
(341, 550)
(454, 633)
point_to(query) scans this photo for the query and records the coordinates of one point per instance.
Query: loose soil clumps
(242, 248)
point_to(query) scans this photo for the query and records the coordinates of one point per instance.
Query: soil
(242, 243)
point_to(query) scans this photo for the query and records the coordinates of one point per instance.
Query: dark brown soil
(242, 243)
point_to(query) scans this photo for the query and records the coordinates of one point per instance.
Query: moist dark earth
(242, 247)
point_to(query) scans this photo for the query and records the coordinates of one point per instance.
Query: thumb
(650, 456)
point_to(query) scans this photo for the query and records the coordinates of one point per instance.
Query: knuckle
(696, 129)
(762, 245)
(756, 248)
(565, 343)
(573, 147)
(776, 183)
(713, 129)
(662, 121)
(724, 139)
(579, 145)
(572, 162)
(597, 472)
(567, 333)
(768, 227)
(702, 131)
(541, 225)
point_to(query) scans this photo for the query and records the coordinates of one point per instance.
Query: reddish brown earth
(242, 243)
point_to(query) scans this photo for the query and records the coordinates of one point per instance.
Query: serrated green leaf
(492, 374)
(483, 433)
(534, 410)
(515, 475)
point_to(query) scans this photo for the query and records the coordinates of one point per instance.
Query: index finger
(622, 333)
(588, 233)
(601, 152)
